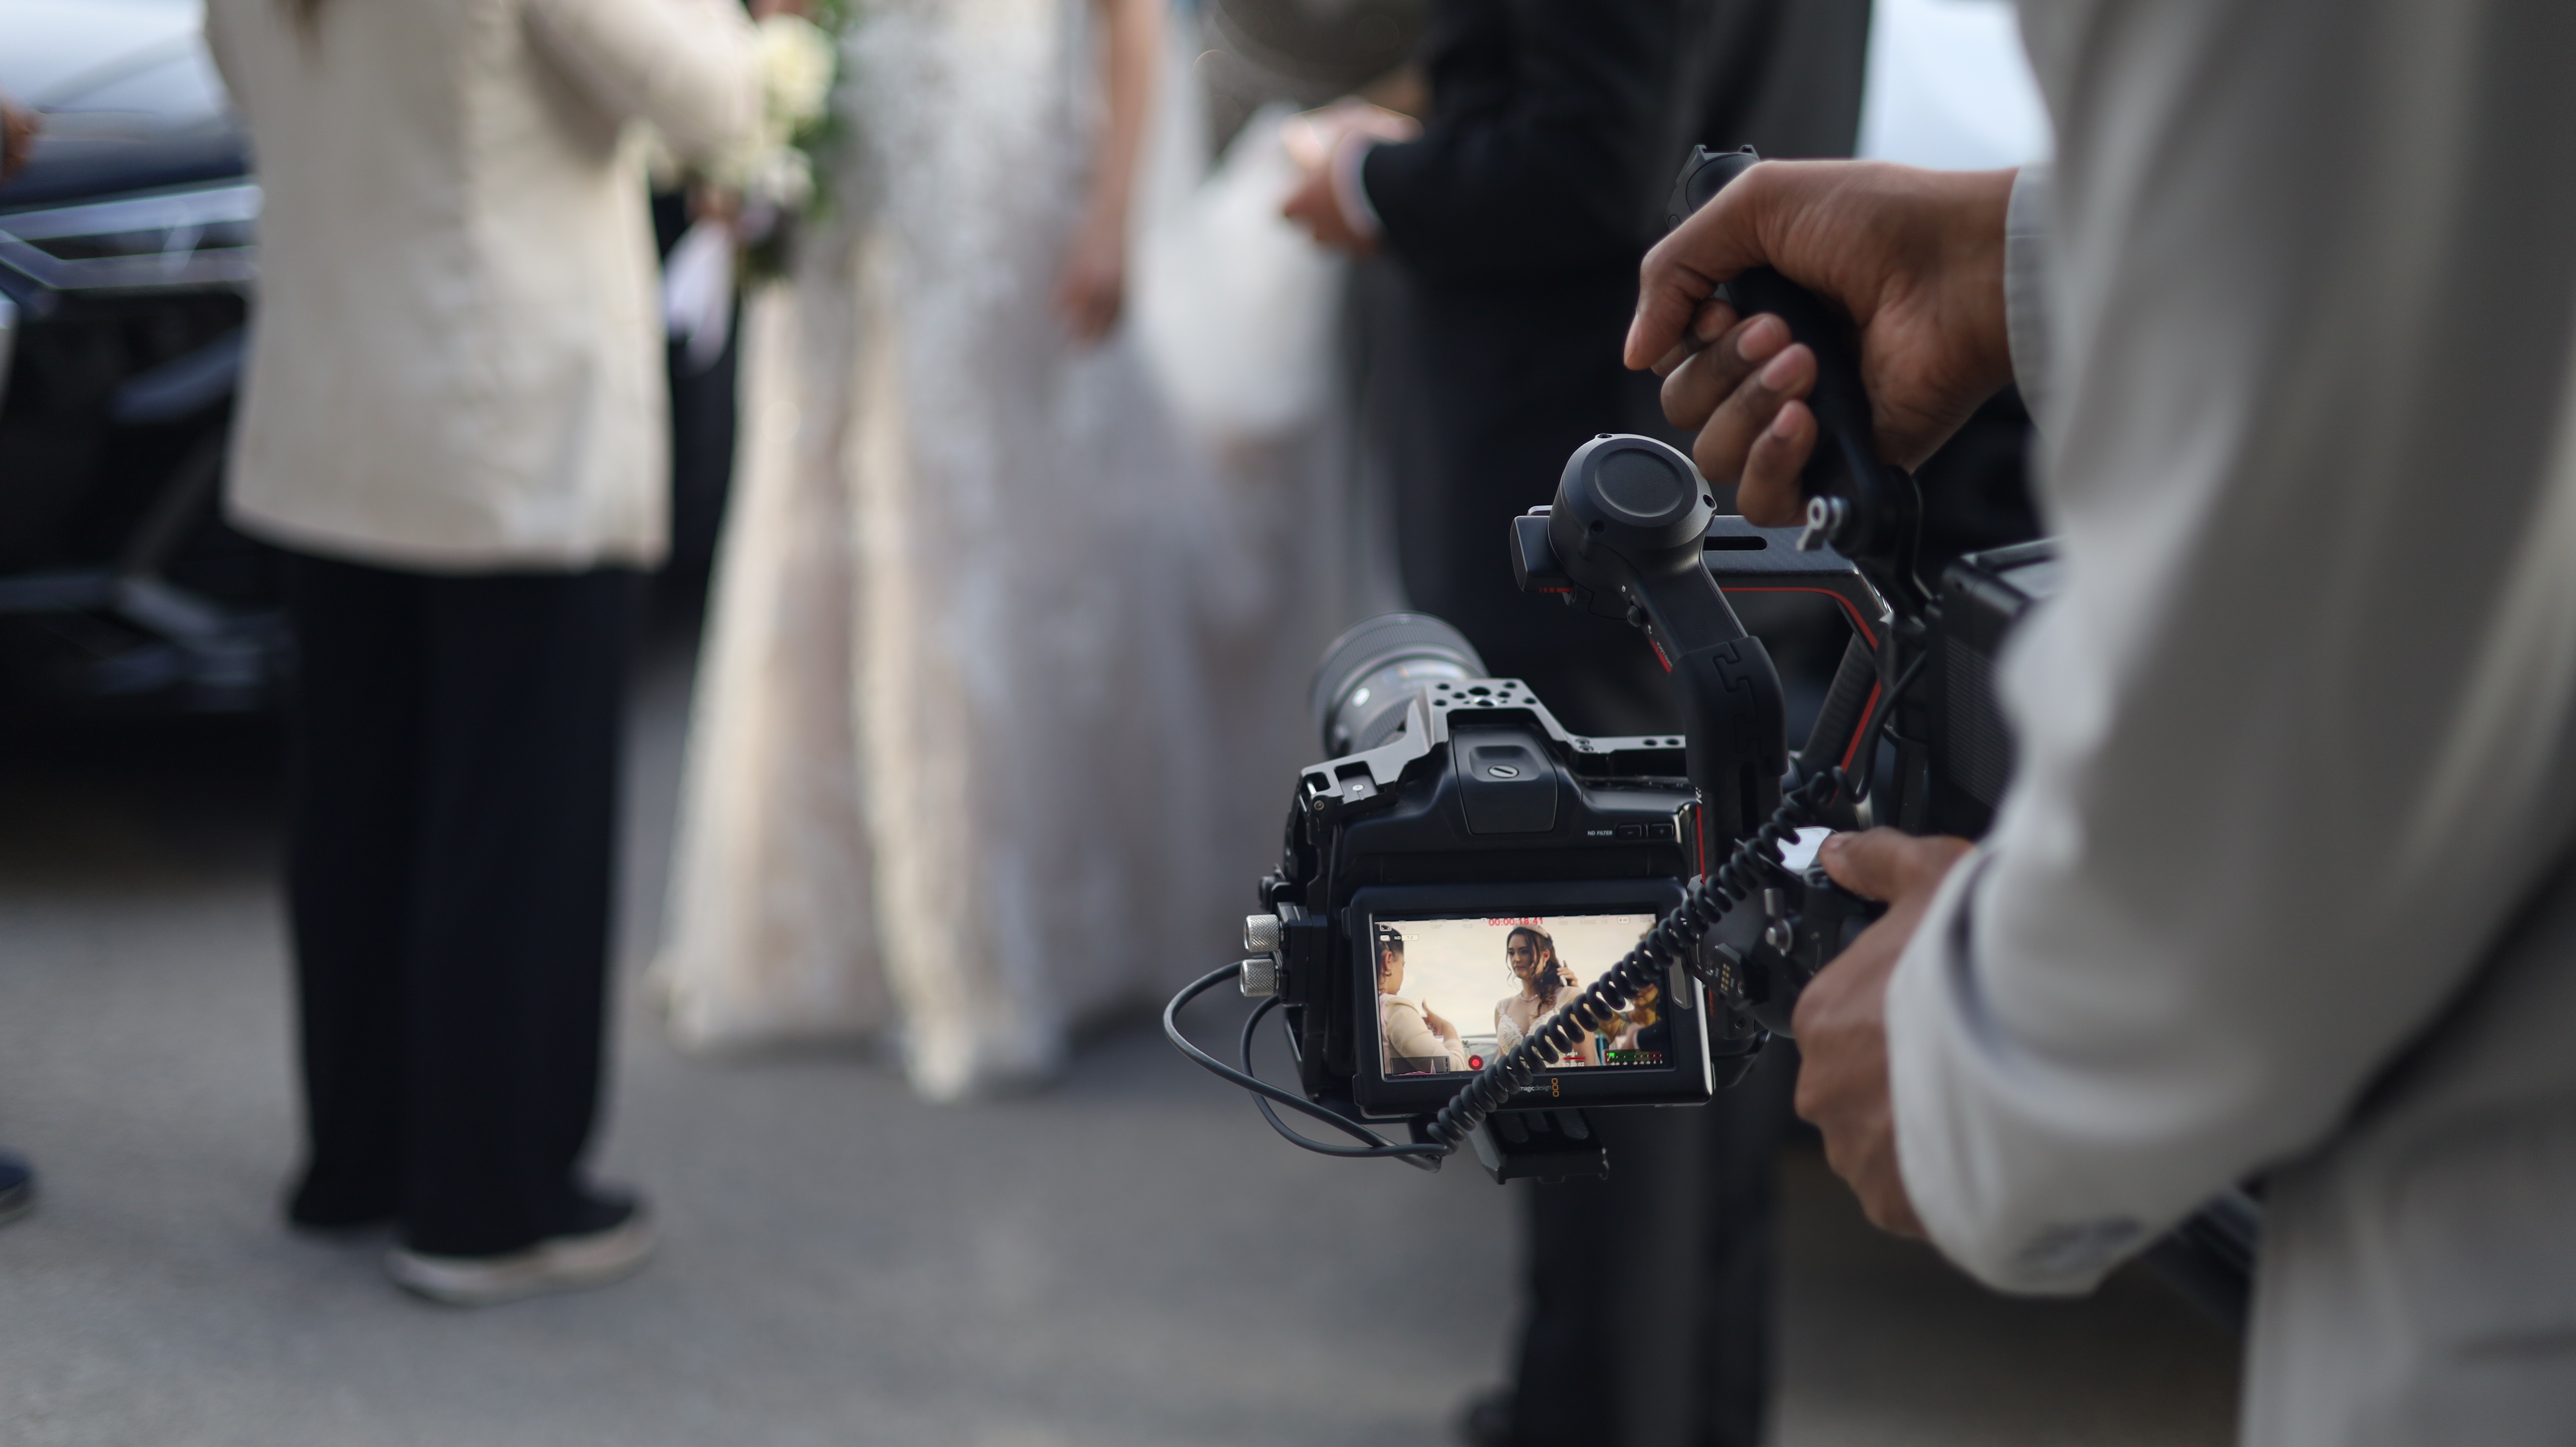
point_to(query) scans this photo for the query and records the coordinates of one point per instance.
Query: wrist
(1974, 207)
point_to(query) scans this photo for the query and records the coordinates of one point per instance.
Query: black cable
(1426, 1157)
(1904, 681)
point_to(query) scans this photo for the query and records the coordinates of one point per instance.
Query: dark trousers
(1650, 1291)
(455, 747)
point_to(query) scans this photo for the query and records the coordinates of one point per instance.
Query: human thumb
(1885, 864)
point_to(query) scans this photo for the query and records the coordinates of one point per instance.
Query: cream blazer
(456, 356)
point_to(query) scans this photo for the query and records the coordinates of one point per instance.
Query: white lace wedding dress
(1002, 695)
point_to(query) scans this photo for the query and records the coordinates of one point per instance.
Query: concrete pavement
(1128, 1260)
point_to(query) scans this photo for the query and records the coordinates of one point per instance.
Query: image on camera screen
(1454, 993)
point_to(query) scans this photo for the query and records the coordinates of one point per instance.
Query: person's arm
(1408, 1035)
(2293, 739)
(1092, 288)
(1556, 174)
(690, 67)
(2292, 734)
(1329, 146)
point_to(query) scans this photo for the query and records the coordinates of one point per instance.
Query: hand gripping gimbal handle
(1868, 510)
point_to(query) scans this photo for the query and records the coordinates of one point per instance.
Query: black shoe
(1486, 1420)
(17, 1187)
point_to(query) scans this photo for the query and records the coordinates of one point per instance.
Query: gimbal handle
(1868, 510)
(1624, 539)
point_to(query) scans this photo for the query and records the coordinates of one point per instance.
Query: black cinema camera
(1482, 924)
(1465, 868)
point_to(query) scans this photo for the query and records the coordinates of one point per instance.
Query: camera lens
(1369, 673)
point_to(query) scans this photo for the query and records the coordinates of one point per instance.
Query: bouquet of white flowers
(799, 60)
(750, 199)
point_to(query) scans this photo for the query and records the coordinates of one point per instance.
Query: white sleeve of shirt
(2026, 282)
(690, 67)
(1350, 186)
(2295, 733)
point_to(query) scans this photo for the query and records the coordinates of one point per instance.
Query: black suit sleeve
(1548, 163)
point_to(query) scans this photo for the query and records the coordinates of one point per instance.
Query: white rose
(797, 64)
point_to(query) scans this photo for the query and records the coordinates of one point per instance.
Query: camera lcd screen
(1454, 992)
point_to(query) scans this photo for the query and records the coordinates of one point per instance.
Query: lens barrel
(1367, 675)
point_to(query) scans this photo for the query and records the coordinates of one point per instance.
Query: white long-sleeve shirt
(456, 358)
(2283, 883)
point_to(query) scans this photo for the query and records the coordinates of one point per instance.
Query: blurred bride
(1003, 682)
(948, 757)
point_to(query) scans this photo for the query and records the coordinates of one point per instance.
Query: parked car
(127, 258)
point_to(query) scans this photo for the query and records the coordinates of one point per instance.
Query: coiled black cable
(1710, 898)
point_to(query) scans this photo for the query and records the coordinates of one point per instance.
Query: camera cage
(1418, 823)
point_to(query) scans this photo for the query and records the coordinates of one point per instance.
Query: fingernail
(1782, 368)
(1767, 335)
(1785, 425)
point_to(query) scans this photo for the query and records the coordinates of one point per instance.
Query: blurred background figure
(1516, 221)
(953, 751)
(453, 423)
(995, 556)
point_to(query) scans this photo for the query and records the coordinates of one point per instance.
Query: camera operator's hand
(1917, 259)
(1841, 1020)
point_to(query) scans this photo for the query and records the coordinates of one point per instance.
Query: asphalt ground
(1128, 1259)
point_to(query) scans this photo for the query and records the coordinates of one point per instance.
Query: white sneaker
(558, 1263)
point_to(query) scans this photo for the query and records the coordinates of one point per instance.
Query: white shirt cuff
(2028, 220)
(1350, 190)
